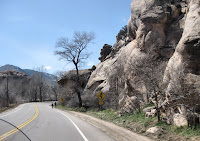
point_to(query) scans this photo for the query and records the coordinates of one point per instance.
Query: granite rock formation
(163, 35)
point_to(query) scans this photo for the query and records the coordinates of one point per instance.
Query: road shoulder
(112, 130)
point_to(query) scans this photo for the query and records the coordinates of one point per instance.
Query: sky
(29, 29)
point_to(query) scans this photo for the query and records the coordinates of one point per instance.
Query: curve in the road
(20, 126)
(12, 112)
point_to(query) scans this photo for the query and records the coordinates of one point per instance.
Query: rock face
(49, 77)
(156, 25)
(166, 30)
(12, 73)
(179, 120)
(105, 51)
(16, 83)
(185, 63)
(109, 77)
(68, 82)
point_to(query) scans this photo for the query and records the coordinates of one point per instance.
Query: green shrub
(122, 33)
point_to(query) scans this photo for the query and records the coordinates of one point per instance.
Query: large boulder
(105, 51)
(155, 132)
(69, 85)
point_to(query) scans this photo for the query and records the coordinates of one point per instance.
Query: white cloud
(48, 67)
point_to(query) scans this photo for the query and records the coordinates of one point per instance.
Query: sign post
(62, 99)
(101, 95)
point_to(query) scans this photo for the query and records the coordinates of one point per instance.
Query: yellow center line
(20, 126)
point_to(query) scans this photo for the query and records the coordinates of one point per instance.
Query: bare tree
(37, 85)
(33, 88)
(40, 82)
(149, 70)
(5, 90)
(13, 87)
(183, 91)
(74, 51)
(55, 88)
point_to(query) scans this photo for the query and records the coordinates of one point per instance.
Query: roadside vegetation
(12, 106)
(137, 122)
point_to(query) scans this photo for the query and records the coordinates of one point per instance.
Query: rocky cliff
(15, 84)
(49, 77)
(161, 46)
(164, 35)
(69, 85)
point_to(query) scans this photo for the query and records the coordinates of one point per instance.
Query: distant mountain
(11, 67)
(49, 77)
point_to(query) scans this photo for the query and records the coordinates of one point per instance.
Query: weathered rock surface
(155, 132)
(68, 82)
(16, 84)
(156, 25)
(185, 61)
(12, 73)
(105, 51)
(179, 120)
(148, 109)
(166, 30)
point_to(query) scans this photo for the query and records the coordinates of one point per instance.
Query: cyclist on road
(55, 104)
(52, 105)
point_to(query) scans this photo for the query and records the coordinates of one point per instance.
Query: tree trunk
(77, 73)
(157, 108)
(147, 96)
(40, 94)
(79, 98)
(56, 97)
(35, 96)
(78, 83)
(7, 93)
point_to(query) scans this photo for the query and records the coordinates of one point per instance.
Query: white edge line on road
(13, 111)
(76, 127)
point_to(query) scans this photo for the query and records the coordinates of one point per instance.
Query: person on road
(55, 104)
(52, 105)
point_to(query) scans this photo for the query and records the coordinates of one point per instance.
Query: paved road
(39, 122)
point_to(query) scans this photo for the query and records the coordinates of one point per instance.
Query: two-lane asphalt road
(39, 122)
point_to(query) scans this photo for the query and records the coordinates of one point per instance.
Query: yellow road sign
(101, 95)
(62, 99)
(100, 101)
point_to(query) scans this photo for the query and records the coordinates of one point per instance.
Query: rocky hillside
(165, 43)
(157, 60)
(49, 77)
(15, 84)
